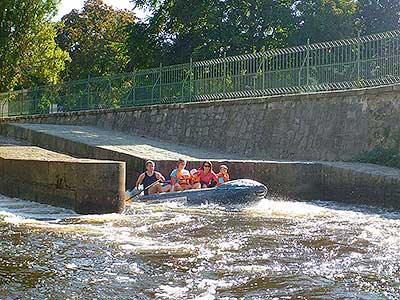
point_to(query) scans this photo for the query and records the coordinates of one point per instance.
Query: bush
(381, 156)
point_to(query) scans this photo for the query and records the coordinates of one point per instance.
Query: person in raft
(180, 177)
(223, 175)
(194, 179)
(149, 177)
(207, 176)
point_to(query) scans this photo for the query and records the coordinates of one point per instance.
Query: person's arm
(174, 179)
(139, 180)
(214, 176)
(200, 175)
(160, 177)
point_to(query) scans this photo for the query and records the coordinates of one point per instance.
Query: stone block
(65, 182)
(98, 201)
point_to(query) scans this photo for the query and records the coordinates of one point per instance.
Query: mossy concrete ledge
(84, 185)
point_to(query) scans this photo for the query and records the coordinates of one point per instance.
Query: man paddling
(148, 179)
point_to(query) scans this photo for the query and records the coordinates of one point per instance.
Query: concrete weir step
(87, 186)
(350, 182)
(293, 179)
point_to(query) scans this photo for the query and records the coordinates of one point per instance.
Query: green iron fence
(344, 64)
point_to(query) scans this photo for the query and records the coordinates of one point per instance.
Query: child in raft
(180, 177)
(223, 175)
(194, 179)
(207, 176)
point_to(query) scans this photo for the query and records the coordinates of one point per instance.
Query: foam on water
(50, 218)
(377, 224)
(32, 210)
(203, 252)
(277, 207)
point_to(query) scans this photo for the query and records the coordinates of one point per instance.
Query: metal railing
(344, 64)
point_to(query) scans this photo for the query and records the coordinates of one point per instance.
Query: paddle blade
(131, 194)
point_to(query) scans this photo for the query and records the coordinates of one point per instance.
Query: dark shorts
(209, 185)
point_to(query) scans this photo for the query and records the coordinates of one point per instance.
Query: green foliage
(44, 102)
(378, 15)
(103, 41)
(323, 20)
(95, 38)
(28, 53)
(381, 156)
(209, 29)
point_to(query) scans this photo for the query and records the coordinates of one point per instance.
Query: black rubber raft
(240, 191)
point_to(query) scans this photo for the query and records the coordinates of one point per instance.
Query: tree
(378, 15)
(211, 28)
(28, 53)
(323, 20)
(95, 38)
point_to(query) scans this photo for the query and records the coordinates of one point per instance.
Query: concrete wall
(349, 182)
(85, 186)
(320, 126)
(292, 179)
(361, 183)
(133, 165)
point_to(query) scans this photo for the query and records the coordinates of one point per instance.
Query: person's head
(150, 165)
(223, 169)
(181, 164)
(207, 166)
(194, 173)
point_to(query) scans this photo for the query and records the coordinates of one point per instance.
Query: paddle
(140, 191)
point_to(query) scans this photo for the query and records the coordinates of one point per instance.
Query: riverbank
(349, 182)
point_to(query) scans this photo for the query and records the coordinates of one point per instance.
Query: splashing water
(275, 249)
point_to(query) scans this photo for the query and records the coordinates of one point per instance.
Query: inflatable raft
(240, 191)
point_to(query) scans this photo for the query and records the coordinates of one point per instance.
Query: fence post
(134, 87)
(308, 63)
(224, 72)
(262, 71)
(190, 79)
(358, 58)
(88, 91)
(160, 76)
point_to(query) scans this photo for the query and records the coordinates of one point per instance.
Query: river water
(273, 250)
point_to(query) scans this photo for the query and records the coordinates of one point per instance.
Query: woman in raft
(149, 177)
(207, 176)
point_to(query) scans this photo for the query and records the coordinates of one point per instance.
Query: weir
(350, 182)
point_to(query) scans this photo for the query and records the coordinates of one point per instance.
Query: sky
(67, 5)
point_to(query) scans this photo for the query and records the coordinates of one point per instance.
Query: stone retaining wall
(86, 186)
(320, 126)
